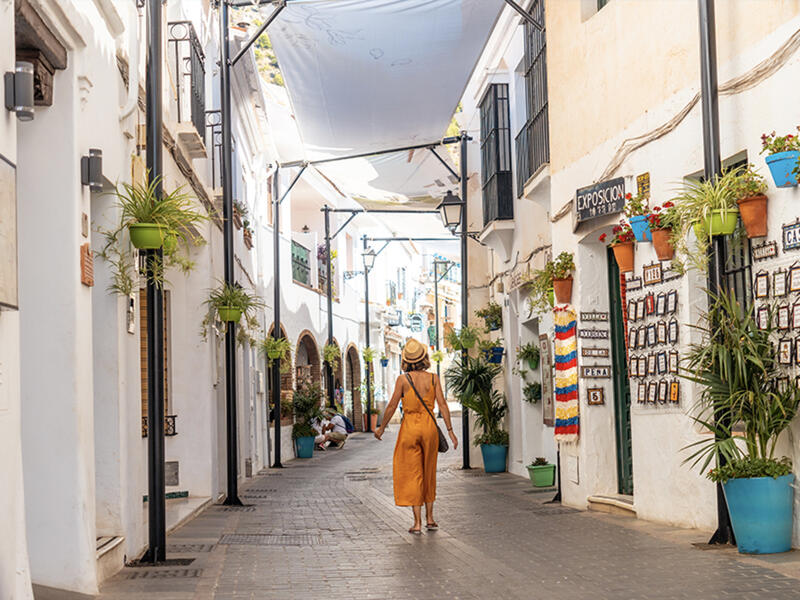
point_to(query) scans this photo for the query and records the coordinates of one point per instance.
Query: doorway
(622, 388)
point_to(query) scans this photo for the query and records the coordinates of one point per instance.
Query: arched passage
(306, 360)
(353, 387)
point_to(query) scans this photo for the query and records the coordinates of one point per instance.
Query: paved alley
(328, 528)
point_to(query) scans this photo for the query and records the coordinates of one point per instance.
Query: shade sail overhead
(368, 75)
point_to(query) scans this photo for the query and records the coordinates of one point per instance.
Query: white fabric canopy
(368, 75)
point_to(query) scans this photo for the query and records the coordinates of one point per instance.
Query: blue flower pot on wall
(495, 355)
(305, 446)
(641, 228)
(781, 165)
(761, 513)
(384, 362)
(494, 457)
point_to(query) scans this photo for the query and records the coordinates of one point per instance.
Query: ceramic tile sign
(643, 185)
(765, 250)
(652, 274)
(601, 317)
(633, 284)
(595, 396)
(791, 236)
(762, 285)
(675, 392)
(794, 278)
(604, 198)
(594, 352)
(779, 283)
(596, 371)
(593, 333)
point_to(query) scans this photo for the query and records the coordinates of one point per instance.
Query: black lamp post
(369, 262)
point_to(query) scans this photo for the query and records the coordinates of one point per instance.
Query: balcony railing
(533, 149)
(169, 425)
(190, 74)
(301, 264)
(496, 177)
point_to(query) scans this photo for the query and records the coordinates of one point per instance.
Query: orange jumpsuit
(416, 451)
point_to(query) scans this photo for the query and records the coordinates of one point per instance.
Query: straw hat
(413, 352)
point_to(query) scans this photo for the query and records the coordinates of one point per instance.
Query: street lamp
(369, 259)
(450, 208)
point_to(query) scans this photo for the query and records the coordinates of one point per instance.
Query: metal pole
(232, 498)
(713, 167)
(276, 326)
(367, 365)
(436, 316)
(464, 290)
(329, 291)
(156, 484)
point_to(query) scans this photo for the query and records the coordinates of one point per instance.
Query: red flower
(616, 229)
(603, 237)
(628, 196)
(668, 204)
(656, 209)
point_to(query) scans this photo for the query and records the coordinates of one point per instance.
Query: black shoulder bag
(443, 445)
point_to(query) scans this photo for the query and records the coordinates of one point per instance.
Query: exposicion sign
(604, 198)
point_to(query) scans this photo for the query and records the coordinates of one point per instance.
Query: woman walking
(417, 446)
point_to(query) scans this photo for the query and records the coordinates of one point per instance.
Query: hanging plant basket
(719, 223)
(495, 354)
(623, 252)
(170, 242)
(384, 362)
(562, 288)
(147, 236)
(641, 228)
(237, 217)
(274, 354)
(229, 314)
(754, 215)
(662, 242)
(781, 166)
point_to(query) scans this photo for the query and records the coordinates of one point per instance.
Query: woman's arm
(392, 406)
(445, 412)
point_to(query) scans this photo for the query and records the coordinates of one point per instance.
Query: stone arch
(287, 380)
(353, 387)
(307, 363)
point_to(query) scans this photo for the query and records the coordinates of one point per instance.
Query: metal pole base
(276, 465)
(232, 502)
(154, 555)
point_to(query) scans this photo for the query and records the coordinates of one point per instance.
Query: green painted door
(622, 389)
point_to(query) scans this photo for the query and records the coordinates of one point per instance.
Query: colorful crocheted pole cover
(566, 384)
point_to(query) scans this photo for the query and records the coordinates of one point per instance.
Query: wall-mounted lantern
(19, 90)
(92, 170)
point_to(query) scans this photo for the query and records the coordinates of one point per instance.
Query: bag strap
(413, 387)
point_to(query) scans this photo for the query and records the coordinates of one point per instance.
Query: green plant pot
(719, 224)
(273, 354)
(533, 363)
(542, 475)
(699, 228)
(229, 314)
(551, 297)
(170, 243)
(147, 236)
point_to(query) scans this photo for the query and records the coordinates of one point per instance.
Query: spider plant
(741, 399)
(276, 349)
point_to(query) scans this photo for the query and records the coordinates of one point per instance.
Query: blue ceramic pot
(384, 362)
(761, 513)
(641, 228)
(494, 457)
(495, 355)
(305, 446)
(781, 165)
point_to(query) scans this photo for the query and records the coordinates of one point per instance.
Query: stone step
(620, 504)
(110, 555)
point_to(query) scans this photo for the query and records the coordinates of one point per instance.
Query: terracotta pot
(753, 211)
(624, 254)
(563, 290)
(663, 244)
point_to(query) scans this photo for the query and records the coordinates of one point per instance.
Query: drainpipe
(156, 483)
(713, 168)
(133, 63)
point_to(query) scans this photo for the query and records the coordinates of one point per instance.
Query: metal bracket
(524, 14)
(279, 6)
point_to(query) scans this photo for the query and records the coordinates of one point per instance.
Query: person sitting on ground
(337, 432)
(321, 426)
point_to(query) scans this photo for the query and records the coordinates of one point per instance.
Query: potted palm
(745, 406)
(492, 314)
(783, 152)
(306, 403)
(529, 353)
(622, 246)
(749, 190)
(151, 219)
(472, 382)
(231, 301)
(664, 223)
(638, 211)
(542, 473)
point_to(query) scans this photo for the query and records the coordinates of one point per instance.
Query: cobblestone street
(328, 528)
